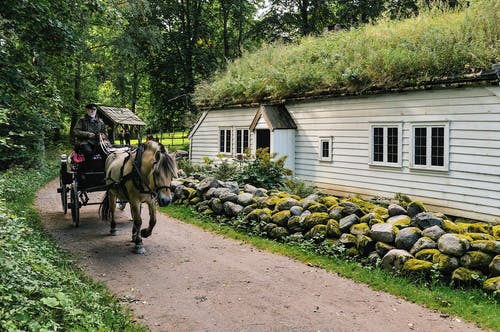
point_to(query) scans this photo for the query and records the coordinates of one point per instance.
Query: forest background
(147, 55)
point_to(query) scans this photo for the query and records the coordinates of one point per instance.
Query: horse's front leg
(152, 218)
(135, 210)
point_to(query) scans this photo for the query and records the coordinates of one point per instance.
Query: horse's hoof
(139, 250)
(145, 233)
(112, 232)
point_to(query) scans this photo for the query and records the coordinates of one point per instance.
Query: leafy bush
(263, 171)
(298, 187)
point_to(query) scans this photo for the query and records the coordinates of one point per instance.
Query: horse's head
(163, 171)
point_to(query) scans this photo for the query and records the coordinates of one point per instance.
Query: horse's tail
(104, 208)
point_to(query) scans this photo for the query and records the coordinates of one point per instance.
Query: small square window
(325, 148)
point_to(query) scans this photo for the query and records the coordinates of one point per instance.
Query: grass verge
(472, 305)
(41, 287)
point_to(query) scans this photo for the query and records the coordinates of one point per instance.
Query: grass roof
(436, 45)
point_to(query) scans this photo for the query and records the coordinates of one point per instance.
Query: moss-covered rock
(445, 263)
(453, 244)
(478, 227)
(270, 202)
(317, 207)
(495, 231)
(332, 229)
(406, 238)
(415, 207)
(494, 266)
(195, 200)
(280, 218)
(480, 236)
(295, 224)
(314, 219)
(450, 227)
(317, 233)
(278, 232)
(367, 218)
(427, 254)
(464, 276)
(346, 223)
(414, 265)
(476, 260)
(395, 259)
(360, 229)
(364, 244)
(492, 284)
(383, 248)
(336, 213)
(329, 201)
(400, 221)
(286, 203)
(348, 240)
(489, 246)
(352, 252)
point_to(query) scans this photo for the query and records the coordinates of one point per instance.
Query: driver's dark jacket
(86, 125)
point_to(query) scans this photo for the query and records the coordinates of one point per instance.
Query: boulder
(383, 248)
(346, 222)
(383, 232)
(413, 265)
(360, 229)
(329, 201)
(332, 229)
(400, 221)
(313, 198)
(317, 233)
(350, 208)
(423, 243)
(415, 207)
(425, 220)
(406, 238)
(462, 275)
(278, 232)
(314, 219)
(206, 184)
(492, 284)
(232, 209)
(395, 259)
(245, 199)
(433, 232)
(453, 244)
(286, 203)
(445, 262)
(489, 246)
(317, 207)
(475, 259)
(336, 213)
(280, 218)
(494, 266)
(348, 240)
(427, 254)
(396, 210)
(248, 188)
(296, 210)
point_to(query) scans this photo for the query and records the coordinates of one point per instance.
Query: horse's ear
(162, 148)
(158, 155)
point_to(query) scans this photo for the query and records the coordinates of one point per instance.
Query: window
(241, 140)
(430, 146)
(325, 148)
(385, 144)
(225, 140)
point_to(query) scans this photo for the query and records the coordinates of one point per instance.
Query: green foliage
(438, 43)
(263, 171)
(296, 186)
(40, 288)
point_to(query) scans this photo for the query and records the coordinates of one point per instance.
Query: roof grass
(438, 44)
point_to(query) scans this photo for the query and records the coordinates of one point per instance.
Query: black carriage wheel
(75, 206)
(64, 194)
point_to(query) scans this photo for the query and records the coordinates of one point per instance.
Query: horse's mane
(167, 161)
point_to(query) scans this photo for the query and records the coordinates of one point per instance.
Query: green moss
(317, 207)
(270, 202)
(364, 243)
(463, 275)
(277, 232)
(475, 259)
(495, 231)
(314, 219)
(329, 201)
(427, 254)
(450, 227)
(445, 262)
(318, 232)
(489, 246)
(332, 229)
(195, 200)
(480, 236)
(280, 218)
(383, 248)
(360, 229)
(492, 284)
(417, 265)
(479, 227)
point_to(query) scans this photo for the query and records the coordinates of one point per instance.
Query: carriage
(78, 177)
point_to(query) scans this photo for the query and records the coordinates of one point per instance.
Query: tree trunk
(77, 96)
(135, 87)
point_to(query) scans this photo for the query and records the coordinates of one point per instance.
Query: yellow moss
(360, 229)
(445, 262)
(479, 227)
(495, 230)
(492, 284)
(450, 227)
(195, 200)
(280, 218)
(480, 236)
(315, 218)
(427, 254)
(417, 265)
(329, 201)
(332, 229)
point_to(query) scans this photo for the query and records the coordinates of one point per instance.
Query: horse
(137, 176)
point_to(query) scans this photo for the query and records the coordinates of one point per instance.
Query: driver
(87, 130)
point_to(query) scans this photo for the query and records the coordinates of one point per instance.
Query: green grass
(173, 141)
(471, 304)
(41, 286)
(385, 55)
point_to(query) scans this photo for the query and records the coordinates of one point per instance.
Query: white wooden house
(440, 145)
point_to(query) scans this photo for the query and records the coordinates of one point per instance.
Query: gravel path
(193, 280)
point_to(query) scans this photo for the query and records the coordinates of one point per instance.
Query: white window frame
(225, 129)
(385, 126)
(329, 140)
(446, 147)
(243, 148)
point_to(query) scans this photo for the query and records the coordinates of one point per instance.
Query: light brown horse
(140, 176)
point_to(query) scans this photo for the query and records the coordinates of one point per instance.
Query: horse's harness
(137, 177)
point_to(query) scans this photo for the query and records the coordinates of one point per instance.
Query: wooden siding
(205, 140)
(471, 185)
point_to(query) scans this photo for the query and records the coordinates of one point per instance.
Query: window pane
(238, 141)
(392, 145)
(222, 141)
(325, 149)
(378, 144)
(245, 140)
(437, 147)
(228, 140)
(420, 146)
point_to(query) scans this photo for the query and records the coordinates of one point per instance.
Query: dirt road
(192, 280)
